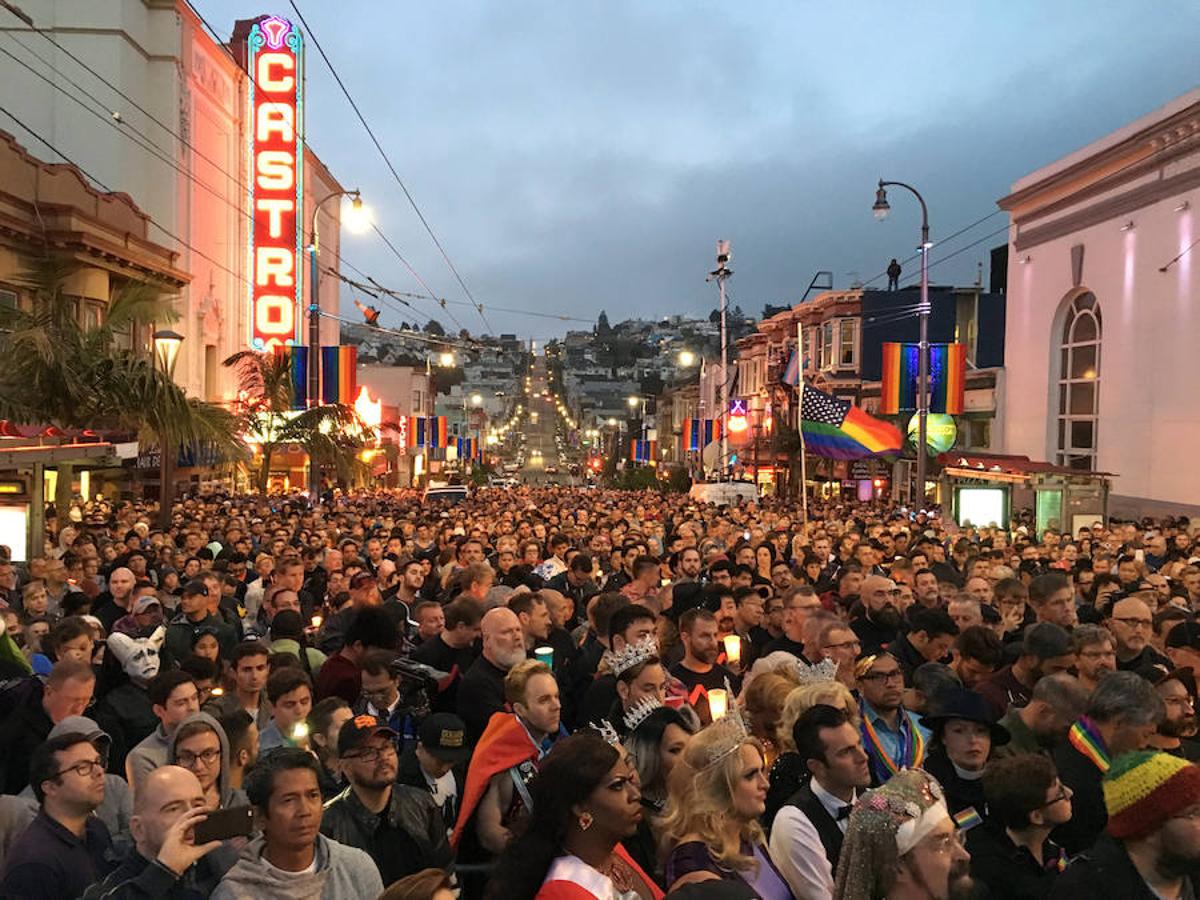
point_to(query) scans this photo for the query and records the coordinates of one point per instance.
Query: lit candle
(316, 621)
(217, 692)
(544, 655)
(716, 703)
(733, 648)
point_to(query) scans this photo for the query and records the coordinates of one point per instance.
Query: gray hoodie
(230, 796)
(152, 753)
(341, 872)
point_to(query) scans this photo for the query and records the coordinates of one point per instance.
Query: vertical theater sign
(275, 63)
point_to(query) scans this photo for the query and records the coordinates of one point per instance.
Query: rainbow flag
(837, 429)
(642, 451)
(297, 361)
(947, 378)
(338, 375)
(468, 448)
(699, 433)
(901, 373)
(427, 431)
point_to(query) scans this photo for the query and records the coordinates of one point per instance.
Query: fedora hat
(961, 703)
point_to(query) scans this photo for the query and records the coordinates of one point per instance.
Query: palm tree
(59, 371)
(330, 433)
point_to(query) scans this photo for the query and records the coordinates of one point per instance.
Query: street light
(166, 352)
(881, 210)
(446, 360)
(632, 401)
(477, 399)
(687, 358)
(356, 220)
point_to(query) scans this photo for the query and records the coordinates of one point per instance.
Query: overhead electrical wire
(112, 118)
(387, 161)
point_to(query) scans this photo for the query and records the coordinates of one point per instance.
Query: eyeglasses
(187, 760)
(1064, 793)
(842, 646)
(1135, 623)
(83, 769)
(371, 754)
(1190, 815)
(1179, 701)
(894, 675)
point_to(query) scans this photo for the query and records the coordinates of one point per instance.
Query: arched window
(1079, 384)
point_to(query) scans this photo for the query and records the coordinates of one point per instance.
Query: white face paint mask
(138, 656)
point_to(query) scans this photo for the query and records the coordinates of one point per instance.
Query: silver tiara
(605, 730)
(824, 671)
(637, 713)
(631, 655)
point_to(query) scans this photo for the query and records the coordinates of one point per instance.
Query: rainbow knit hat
(1144, 789)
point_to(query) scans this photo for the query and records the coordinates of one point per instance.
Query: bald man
(165, 860)
(879, 623)
(115, 602)
(482, 690)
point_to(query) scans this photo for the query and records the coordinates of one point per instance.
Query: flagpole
(800, 418)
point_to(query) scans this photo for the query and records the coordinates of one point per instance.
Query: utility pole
(800, 418)
(720, 273)
(881, 210)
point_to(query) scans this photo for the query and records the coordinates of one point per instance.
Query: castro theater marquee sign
(275, 61)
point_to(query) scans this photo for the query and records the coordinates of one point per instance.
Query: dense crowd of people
(563, 694)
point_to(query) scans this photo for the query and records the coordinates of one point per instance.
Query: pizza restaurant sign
(275, 61)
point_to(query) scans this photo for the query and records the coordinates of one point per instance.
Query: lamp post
(166, 352)
(881, 210)
(357, 220)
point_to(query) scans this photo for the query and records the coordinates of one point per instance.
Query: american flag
(817, 406)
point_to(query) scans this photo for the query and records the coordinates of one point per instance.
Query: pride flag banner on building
(297, 362)
(468, 448)
(837, 429)
(642, 451)
(338, 375)
(699, 433)
(901, 378)
(428, 432)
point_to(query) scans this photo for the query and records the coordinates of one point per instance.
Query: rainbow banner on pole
(699, 433)
(297, 362)
(428, 432)
(338, 376)
(642, 451)
(901, 378)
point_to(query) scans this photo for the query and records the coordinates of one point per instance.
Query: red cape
(505, 743)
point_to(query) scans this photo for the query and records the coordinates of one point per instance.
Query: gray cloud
(584, 155)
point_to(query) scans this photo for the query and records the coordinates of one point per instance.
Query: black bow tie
(842, 813)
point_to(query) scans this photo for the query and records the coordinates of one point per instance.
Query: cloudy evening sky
(578, 155)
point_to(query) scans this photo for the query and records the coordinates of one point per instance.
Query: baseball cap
(1185, 634)
(361, 579)
(358, 730)
(443, 736)
(146, 601)
(195, 588)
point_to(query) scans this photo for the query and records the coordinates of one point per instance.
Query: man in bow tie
(806, 836)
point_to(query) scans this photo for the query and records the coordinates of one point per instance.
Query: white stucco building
(1103, 313)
